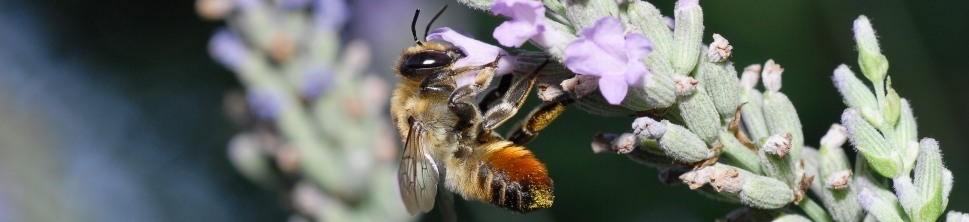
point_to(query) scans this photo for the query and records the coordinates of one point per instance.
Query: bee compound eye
(428, 59)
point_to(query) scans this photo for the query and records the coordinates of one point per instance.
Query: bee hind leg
(538, 119)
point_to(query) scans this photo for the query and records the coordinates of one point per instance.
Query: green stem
(813, 210)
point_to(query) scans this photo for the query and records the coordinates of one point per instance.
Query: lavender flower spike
(603, 50)
(478, 53)
(527, 20)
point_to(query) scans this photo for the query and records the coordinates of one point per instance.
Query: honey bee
(443, 129)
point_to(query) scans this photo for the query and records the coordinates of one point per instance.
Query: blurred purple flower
(315, 82)
(264, 104)
(244, 5)
(477, 52)
(294, 4)
(331, 14)
(602, 50)
(227, 48)
(527, 20)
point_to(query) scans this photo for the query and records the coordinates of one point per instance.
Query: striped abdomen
(503, 174)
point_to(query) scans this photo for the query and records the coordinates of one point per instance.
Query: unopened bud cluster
(722, 135)
(309, 115)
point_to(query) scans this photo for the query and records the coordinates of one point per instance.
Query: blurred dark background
(111, 110)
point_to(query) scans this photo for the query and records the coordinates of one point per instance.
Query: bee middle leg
(511, 101)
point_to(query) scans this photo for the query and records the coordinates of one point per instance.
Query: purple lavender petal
(331, 14)
(637, 47)
(294, 4)
(227, 48)
(608, 34)
(613, 88)
(315, 82)
(527, 20)
(585, 57)
(264, 105)
(478, 53)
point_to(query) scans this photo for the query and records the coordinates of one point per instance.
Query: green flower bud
(720, 49)
(683, 145)
(891, 108)
(765, 192)
(687, 36)
(883, 206)
(946, 187)
(247, 157)
(905, 135)
(885, 160)
(772, 76)
(774, 159)
(583, 14)
(648, 20)
(720, 82)
(839, 195)
(753, 190)
(857, 95)
(736, 154)
(657, 93)
(781, 118)
(873, 64)
(928, 181)
(752, 113)
(700, 115)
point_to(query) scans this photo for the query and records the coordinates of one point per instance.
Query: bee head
(427, 57)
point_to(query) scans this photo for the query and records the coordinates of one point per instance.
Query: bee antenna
(413, 26)
(428, 28)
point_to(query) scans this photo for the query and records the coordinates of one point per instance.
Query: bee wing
(418, 173)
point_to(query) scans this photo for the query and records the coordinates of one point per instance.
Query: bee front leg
(461, 104)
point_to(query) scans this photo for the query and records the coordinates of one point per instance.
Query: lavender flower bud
(719, 50)
(885, 160)
(752, 113)
(247, 157)
(683, 145)
(685, 85)
(905, 135)
(700, 115)
(584, 14)
(655, 93)
(811, 159)
(720, 82)
(873, 64)
(883, 206)
(648, 127)
(687, 36)
(839, 195)
(891, 107)
(928, 182)
(772, 76)
(765, 192)
(835, 137)
(857, 95)
(750, 76)
(908, 196)
(648, 20)
(946, 187)
(213, 9)
(838, 180)
(782, 118)
(774, 159)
